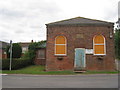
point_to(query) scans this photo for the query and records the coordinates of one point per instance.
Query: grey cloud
(5, 35)
(19, 31)
(45, 6)
(35, 27)
(26, 19)
(10, 13)
(110, 14)
(4, 25)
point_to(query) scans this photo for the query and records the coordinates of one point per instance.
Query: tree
(42, 44)
(16, 51)
(117, 43)
(31, 50)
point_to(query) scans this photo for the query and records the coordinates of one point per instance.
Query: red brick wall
(2, 54)
(88, 32)
(38, 59)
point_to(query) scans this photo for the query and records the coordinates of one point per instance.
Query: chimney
(31, 41)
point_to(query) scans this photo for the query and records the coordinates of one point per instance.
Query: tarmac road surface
(60, 81)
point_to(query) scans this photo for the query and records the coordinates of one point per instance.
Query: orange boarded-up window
(60, 45)
(99, 45)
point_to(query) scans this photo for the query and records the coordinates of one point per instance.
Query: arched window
(60, 45)
(99, 45)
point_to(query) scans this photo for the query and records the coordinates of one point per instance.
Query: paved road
(60, 81)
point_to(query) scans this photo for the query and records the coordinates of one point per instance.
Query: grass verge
(36, 69)
(39, 70)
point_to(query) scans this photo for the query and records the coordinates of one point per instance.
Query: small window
(99, 45)
(24, 49)
(60, 45)
(41, 54)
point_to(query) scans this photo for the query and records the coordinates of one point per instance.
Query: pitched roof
(81, 21)
(24, 44)
(3, 44)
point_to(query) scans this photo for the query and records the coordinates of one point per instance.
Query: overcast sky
(24, 20)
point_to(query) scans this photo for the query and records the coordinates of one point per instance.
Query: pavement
(60, 81)
(117, 64)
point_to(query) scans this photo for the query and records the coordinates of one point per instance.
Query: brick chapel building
(80, 44)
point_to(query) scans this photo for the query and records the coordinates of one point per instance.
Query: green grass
(101, 72)
(36, 69)
(39, 70)
(0, 71)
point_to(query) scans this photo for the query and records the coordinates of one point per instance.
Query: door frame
(84, 57)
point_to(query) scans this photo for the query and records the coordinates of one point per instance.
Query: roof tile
(81, 21)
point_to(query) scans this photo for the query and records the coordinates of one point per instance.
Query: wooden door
(79, 62)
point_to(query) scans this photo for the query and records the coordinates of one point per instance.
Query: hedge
(16, 64)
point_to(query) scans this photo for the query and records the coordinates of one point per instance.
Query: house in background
(80, 44)
(24, 46)
(3, 46)
(40, 58)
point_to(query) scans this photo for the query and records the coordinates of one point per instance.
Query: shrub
(16, 64)
(117, 43)
(25, 56)
(16, 50)
(31, 50)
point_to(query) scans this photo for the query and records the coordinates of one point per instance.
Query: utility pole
(10, 54)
